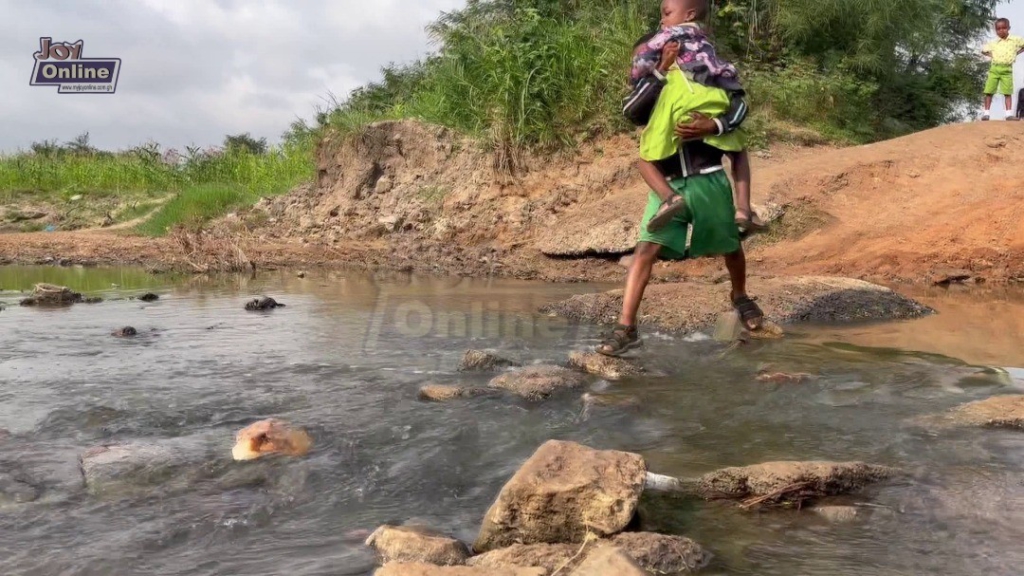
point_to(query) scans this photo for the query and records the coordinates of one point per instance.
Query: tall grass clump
(203, 182)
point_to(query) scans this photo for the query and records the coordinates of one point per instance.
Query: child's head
(676, 12)
(1002, 27)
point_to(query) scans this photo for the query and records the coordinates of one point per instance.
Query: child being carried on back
(696, 53)
(695, 57)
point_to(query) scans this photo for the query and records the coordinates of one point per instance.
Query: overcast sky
(195, 70)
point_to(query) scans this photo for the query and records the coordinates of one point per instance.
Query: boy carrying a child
(689, 188)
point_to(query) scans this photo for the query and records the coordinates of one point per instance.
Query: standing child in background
(1003, 51)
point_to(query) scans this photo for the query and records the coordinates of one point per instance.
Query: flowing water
(345, 359)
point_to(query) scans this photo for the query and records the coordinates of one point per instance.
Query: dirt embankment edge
(946, 203)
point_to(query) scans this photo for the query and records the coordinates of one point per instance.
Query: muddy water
(345, 357)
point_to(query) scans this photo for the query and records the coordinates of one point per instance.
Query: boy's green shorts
(709, 210)
(1000, 80)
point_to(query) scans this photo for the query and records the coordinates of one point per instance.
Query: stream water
(345, 358)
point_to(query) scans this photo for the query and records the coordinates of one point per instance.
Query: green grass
(204, 187)
(197, 204)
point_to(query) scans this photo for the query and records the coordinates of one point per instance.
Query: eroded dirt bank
(937, 204)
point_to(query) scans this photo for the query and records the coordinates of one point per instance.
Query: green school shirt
(678, 99)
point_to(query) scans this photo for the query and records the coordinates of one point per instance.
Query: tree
(245, 143)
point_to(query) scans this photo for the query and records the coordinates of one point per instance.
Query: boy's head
(676, 12)
(638, 47)
(1002, 27)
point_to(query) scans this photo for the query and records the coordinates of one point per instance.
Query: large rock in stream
(539, 382)
(421, 569)
(561, 494)
(608, 560)
(778, 483)
(692, 306)
(656, 553)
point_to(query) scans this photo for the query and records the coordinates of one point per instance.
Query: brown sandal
(668, 210)
(621, 340)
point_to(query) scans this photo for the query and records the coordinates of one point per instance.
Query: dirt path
(949, 201)
(157, 205)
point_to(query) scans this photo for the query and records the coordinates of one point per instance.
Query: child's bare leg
(625, 335)
(988, 105)
(741, 175)
(1009, 106)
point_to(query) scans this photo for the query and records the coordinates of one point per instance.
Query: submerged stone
(996, 412)
(538, 382)
(446, 393)
(416, 544)
(482, 361)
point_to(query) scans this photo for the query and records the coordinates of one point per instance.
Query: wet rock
(951, 277)
(692, 306)
(271, 437)
(562, 493)
(837, 514)
(265, 303)
(126, 332)
(605, 366)
(549, 557)
(16, 491)
(416, 544)
(538, 382)
(95, 300)
(445, 393)
(420, 569)
(767, 377)
(662, 554)
(779, 483)
(149, 297)
(114, 467)
(996, 412)
(610, 401)
(301, 274)
(480, 361)
(52, 295)
(730, 328)
(608, 560)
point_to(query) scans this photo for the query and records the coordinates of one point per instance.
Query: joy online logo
(61, 64)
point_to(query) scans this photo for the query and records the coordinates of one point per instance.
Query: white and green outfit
(1004, 53)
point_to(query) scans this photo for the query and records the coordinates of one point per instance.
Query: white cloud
(196, 70)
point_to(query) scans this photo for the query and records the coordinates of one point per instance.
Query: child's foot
(668, 210)
(622, 339)
(749, 311)
(984, 117)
